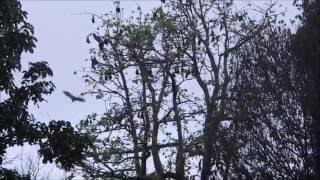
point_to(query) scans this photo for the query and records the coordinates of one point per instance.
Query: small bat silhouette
(72, 97)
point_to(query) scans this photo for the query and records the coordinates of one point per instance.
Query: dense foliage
(307, 50)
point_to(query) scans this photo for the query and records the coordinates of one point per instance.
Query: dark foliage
(307, 50)
(272, 121)
(8, 174)
(63, 144)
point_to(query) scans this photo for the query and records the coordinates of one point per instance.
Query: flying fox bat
(72, 97)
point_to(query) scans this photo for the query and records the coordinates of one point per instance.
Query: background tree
(307, 50)
(58, 140)
(274, 123)
(277, 99)
(217, 30)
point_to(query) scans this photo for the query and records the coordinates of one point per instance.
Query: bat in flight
(73, 97)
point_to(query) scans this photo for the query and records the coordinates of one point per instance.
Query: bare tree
(32, 166)
(216, 29)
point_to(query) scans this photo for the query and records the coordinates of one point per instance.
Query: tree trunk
(180, 159)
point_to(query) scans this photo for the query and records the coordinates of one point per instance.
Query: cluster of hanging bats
(108, 72)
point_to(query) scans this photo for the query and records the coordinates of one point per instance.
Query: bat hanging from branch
(73, 97)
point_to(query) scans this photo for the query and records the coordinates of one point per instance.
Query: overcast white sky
(61, 32)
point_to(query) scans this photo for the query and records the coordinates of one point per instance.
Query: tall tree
(139, 106)
(144, 69)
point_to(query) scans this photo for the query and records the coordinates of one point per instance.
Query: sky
(61, 28)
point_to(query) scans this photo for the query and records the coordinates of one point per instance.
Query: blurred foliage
(8, 174)
(307, 49)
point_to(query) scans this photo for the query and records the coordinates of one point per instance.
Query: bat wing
(72, 97)
(68, 94)
(78, 99)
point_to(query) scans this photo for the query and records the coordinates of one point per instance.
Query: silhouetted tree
(58, 141)
(307, 50)
(272, 119)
